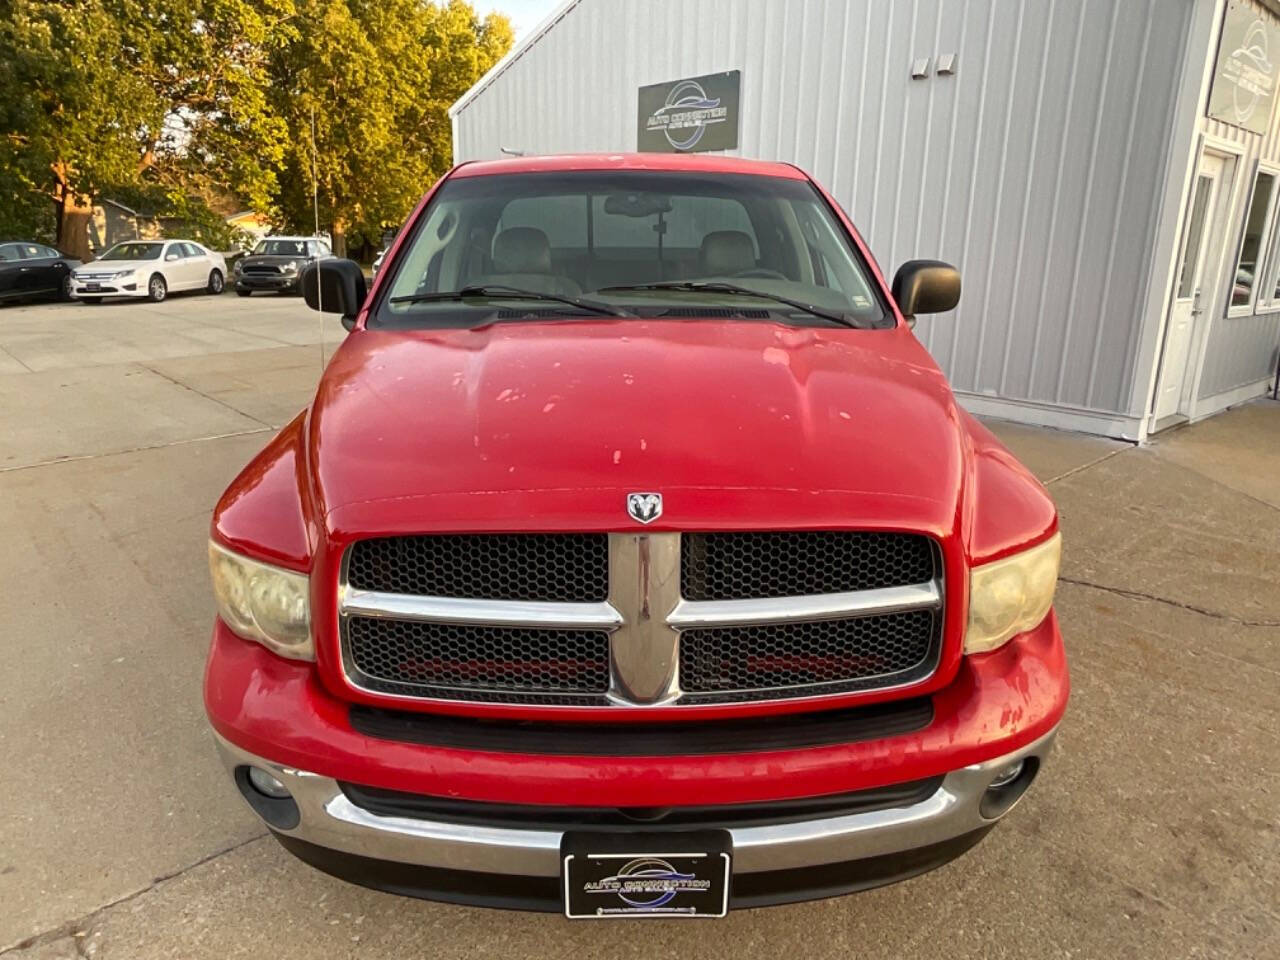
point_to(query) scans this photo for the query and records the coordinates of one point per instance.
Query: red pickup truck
(633, 559)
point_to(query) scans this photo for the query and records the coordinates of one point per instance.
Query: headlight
(122, 273)
(263, 603)
(290, 267)
(235, 267)
(1011, 596)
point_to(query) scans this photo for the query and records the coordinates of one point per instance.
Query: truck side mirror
(926, 286)
(335, 286)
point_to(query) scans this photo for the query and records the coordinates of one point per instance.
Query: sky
(524, 14)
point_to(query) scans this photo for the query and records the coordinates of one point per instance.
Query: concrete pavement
(1153, 831)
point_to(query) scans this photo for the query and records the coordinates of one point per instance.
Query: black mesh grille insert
(806, 659)
(479, 663)
(564, 567)
(741, 566)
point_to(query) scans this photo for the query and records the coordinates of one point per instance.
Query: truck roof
(681, 162)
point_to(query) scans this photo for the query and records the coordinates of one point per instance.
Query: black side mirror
(926, 286)
(335, 286)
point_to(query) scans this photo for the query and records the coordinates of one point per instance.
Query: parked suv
(633, 558)
(276, 263)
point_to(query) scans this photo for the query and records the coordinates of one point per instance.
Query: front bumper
(124, 287)
(251, 281)
(793, 860)
(276, 715)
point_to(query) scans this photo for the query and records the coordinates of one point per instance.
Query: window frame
(375, 311)
(1271, 273)
(1267, 254)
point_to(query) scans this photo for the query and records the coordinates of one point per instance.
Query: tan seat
(522, 258)
(725, 253)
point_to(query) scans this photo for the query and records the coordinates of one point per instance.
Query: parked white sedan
(151, 269)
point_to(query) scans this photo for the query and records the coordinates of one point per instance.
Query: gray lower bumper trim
(329, 819)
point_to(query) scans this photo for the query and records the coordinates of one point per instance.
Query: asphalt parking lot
(1153, 831)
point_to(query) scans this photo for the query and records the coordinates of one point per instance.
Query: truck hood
(548, 426)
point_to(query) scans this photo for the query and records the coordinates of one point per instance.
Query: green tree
(376, 78)
(104, 95)
(65, 114)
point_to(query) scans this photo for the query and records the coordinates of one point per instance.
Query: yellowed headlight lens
(1011, 596)
(263, 603)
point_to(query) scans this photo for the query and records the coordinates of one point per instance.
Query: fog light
(1004, 776)
(267, 785)
(1010, 783)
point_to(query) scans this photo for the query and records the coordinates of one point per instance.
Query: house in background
(251, 222)
(113, 222)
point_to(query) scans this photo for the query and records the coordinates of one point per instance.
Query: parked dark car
(276, 264)
(31, 270)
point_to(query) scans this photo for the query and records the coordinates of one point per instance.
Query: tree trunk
(74, 214)
(339, 238)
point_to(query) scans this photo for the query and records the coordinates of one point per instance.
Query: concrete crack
(119, 453)
(201, 393)
(1092, 463)
(1203, 611)
(82, 924)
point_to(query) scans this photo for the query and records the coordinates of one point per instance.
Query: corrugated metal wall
(1037, 168)
(1241, 350)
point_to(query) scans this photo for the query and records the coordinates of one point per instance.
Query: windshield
(282, 248)
(133, 251)
(642, 243)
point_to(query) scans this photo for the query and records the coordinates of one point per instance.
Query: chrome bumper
(329, 819)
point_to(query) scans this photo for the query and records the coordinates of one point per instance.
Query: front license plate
(616, 875)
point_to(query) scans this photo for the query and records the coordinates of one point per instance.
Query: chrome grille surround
(641, 621)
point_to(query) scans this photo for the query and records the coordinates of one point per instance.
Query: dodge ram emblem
(644, 507)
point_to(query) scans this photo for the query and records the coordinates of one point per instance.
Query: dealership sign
(698, 113)
(1244, 80)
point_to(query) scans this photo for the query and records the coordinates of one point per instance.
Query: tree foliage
(374, 79)
(207, 105)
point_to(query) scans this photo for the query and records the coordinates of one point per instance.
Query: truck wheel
(215, 282)
(157, 289)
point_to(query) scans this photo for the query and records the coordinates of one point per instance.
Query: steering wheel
(762, 273)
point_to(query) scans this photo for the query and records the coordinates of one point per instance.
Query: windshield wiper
(503, 292)
(716, 286)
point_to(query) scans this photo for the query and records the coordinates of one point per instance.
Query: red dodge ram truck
(633, 559)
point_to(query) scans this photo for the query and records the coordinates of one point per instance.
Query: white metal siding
(1240, 351)
(1037, 168)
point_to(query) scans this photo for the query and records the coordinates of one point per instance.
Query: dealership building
(1105, 174)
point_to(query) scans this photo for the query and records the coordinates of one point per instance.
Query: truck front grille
(804, 658)
(556, 567)
(739, 566)
(453, 661)
(638, 618)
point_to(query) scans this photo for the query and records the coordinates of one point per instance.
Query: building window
(1268, 299)
(1253, 245)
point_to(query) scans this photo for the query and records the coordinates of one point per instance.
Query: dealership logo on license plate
(686, 876)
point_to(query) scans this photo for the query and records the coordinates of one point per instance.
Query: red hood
(545, 426)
